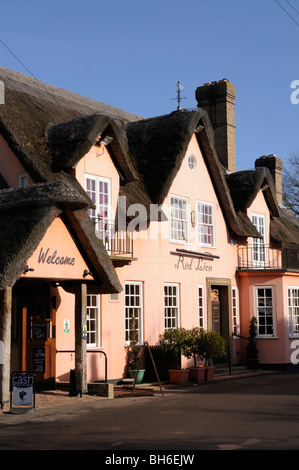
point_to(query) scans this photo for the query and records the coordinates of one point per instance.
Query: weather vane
(179, 97)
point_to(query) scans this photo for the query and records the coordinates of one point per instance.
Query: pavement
(256, 411)
(56, 398)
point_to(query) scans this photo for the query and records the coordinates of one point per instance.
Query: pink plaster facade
(159, 271)
(156, 264)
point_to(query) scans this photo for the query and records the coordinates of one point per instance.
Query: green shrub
(174, 340)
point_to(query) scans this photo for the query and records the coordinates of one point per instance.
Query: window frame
(235, 312)
(176, 307)
(290, 313)
(258, 244)
(180, 221)
(23, 180)
(97, 331)
(259, 316)
(140, 314)
(95, 213)
(201, 307)
(200, 224)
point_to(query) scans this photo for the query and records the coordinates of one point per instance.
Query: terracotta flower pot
(210, 373)
(179, 377)
(197, 374)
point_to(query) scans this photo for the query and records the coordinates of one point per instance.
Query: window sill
(267, 337)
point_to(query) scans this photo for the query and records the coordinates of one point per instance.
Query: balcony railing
(117, 243)
(260, 256)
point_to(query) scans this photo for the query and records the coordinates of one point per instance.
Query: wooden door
(216, 311)
(39, 339)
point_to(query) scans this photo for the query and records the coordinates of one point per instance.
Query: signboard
(66, 326)
(40, 330)
(22, 392)
(39, 360)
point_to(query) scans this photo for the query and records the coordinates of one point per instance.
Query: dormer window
(98, 189)
(22, 180)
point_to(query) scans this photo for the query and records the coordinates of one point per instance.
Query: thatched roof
(50, 130)
(285, 229)
(30, 107)
(158, 146)
(29, 115)
(244, 186)
(27, 213)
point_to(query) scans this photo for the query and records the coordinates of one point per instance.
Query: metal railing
(117, 242)
(260, 256)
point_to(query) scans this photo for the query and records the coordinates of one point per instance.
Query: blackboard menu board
(40, 330)
(39, 360)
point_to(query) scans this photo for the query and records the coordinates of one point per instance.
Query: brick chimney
(218, 100)
(275, 165)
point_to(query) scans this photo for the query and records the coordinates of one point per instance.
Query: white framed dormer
(22, 180)
(179, 219)
(258, 244)
(98, 189)
(205, 221)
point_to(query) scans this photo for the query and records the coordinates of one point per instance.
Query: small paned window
(235, 309)
(201, 311)
(171, 306)
(293, 306)
(265, 311)
(179, 219)
(93, 320)
(133, 310)
(205, 224)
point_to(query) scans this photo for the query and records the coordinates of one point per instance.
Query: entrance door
(216, 311)
(220, 315)
(39, 343)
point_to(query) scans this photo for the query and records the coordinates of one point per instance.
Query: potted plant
(251, 349)
(173, 340)
(193, 348)
(213, 347)
(134, 354)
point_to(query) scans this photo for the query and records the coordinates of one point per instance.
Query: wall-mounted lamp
(86, 273)
(27, 269)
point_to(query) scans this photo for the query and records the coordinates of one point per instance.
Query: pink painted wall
(57, 256)
(156, 263)
(10, 167)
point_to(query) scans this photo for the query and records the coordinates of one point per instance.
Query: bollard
(72, 390)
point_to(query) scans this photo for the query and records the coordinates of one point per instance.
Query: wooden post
(80, 338)
(5, 342)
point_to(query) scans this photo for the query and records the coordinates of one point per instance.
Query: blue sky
(131, 54)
